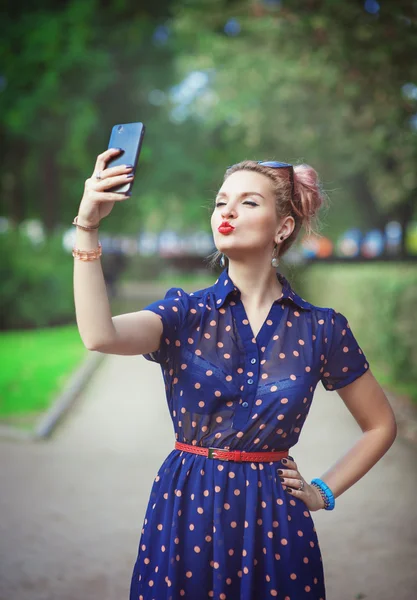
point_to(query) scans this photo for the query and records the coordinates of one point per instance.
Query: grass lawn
(36, 365)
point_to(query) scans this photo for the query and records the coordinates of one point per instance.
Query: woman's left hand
(291, 481)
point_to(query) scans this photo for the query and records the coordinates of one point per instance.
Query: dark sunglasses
(278, 165)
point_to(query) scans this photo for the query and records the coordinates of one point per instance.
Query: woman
(229, 514)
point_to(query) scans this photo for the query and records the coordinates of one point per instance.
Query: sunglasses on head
(279, 165)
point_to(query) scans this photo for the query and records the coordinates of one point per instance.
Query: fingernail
(280, 471)
(290, 457)
(130, 175)
(289, 490)
(282, 478)
(284, 460)
(128, 166)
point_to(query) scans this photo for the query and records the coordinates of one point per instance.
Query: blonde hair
(308, 198)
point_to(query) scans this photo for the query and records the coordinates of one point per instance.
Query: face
(246, 201)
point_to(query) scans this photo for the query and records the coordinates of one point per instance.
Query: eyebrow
(243, 195)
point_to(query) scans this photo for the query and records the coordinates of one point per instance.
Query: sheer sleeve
(345, 359)
(171, 310)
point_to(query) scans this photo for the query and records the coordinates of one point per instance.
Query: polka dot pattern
(220, 529)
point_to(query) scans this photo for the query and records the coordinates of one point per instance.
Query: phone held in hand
(128, 137)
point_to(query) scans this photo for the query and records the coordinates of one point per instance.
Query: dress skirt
(227, 531)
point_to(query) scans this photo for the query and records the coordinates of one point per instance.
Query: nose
(227, 211)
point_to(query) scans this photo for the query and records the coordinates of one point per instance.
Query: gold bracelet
(85, 227)
(86, 255)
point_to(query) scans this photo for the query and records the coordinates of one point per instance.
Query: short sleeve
(171, 310)
(345, 359)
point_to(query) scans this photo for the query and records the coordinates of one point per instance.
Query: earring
(222, 261)
(275, 259)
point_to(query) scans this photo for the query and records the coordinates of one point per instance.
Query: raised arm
(132, 333)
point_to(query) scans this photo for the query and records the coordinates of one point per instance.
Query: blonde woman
(229, 514)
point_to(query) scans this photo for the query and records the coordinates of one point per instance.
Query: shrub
(37, 282)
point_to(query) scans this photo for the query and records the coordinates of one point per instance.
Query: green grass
(36, 365)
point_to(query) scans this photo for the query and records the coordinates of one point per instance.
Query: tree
(319, 79)
(71, 71)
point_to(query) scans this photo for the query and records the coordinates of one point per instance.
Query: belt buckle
(211, 450)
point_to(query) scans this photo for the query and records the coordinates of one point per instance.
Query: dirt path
(72, 507)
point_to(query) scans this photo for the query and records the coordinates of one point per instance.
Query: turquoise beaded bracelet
(326, 492)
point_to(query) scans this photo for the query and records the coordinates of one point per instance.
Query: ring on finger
(98, 175)
(301, 485)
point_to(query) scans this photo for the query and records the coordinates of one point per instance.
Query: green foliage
(81, 68)
(36, 282)
(383, 321)
(317, 82)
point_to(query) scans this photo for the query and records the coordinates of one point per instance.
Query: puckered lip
(225, 224)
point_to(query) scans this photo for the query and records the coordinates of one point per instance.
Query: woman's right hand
(96, 202)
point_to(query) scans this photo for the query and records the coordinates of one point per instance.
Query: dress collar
(224, 286)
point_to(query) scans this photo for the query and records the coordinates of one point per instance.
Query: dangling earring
(275, 259)
(222, 261)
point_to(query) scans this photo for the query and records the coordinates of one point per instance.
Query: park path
(72, 507)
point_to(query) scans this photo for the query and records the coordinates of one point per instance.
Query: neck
(258, 287)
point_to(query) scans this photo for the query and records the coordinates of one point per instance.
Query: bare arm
(368, 404)
(92, 307)
(133, 333)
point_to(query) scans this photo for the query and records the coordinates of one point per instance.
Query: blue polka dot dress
(222, 529)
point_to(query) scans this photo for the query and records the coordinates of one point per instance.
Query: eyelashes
(247, 202)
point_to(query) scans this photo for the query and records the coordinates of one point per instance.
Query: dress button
(245, 404)
(253, 360)
(250, 380)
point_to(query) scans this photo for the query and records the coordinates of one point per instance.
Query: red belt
(235, 455)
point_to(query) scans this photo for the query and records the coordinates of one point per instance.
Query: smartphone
(128, 137)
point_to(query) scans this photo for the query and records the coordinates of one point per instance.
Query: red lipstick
(225, 227)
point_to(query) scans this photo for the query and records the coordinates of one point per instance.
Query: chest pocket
(287, 392)
(206, 387)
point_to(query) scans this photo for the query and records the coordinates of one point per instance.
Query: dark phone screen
(127, 136)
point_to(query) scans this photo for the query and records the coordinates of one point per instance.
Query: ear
(286, 229)
(280, 237)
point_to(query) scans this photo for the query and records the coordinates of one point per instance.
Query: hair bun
(309, 195)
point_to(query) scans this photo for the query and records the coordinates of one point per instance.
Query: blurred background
(329, 83)
(218, 81)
